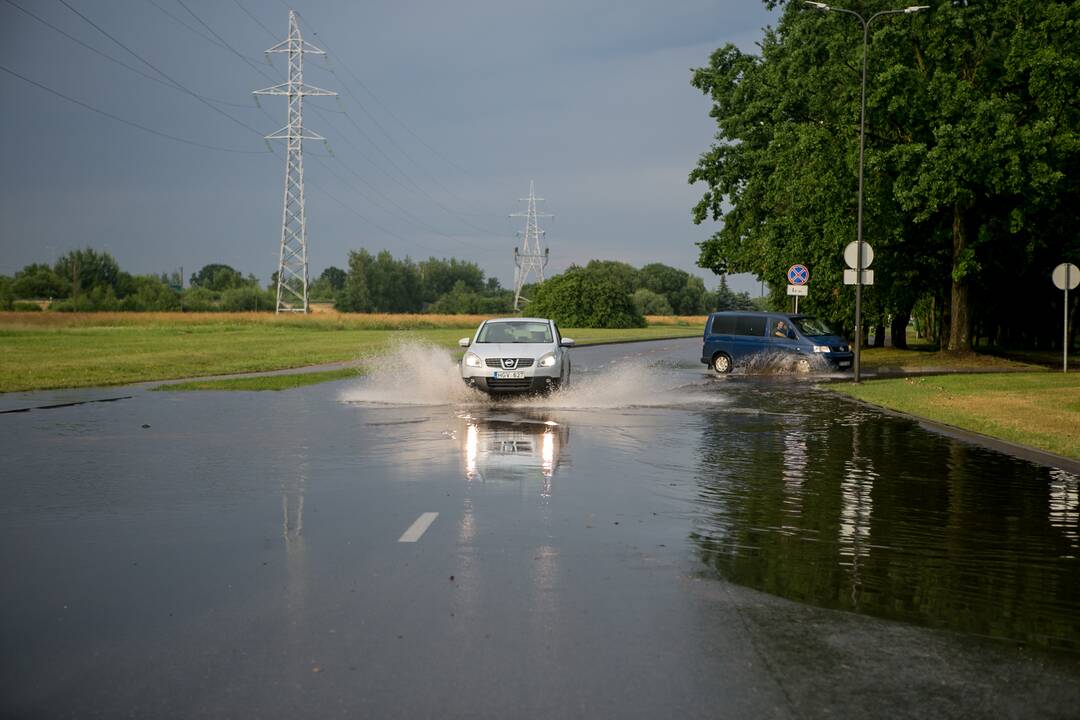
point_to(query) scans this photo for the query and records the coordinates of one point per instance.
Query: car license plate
(844, 363)
(509, 374)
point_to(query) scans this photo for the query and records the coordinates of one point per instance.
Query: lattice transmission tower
(532, 257)
(292, 278)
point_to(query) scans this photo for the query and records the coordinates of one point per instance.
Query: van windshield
(812, 327)
(515, 332)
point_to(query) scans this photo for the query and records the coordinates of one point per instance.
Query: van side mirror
(463, 342)
(791, 334)
(567, 342)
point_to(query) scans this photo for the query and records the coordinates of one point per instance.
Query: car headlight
(821, 348)
(472, 360)
(547, 361)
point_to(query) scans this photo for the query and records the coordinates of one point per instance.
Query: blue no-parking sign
(798, 275)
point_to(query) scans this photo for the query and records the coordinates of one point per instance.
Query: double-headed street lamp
(862, 144)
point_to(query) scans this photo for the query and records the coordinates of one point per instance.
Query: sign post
(1066, 276)
(798, 276)
(858, 255)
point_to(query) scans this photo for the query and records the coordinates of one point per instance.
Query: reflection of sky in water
(1065, 505)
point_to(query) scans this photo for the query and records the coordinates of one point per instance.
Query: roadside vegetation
(1039, 409)
(58, 350)
(286, 381)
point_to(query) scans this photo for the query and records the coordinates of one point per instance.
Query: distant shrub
(248, 299)
(586, 297)
(23, 306)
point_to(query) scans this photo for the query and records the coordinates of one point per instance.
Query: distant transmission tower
(531, 257)
(292, 278)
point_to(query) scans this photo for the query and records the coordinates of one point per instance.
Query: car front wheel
(721, 363)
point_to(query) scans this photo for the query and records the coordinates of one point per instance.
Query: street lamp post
(862, 146)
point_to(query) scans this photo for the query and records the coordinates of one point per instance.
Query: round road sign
(851, 254)
(798, 275)
(1061, 271)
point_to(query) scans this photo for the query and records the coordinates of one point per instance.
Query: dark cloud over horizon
(450, 110)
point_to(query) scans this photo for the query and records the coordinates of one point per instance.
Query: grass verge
(266, 382)
(40, 351)
(1038, 409)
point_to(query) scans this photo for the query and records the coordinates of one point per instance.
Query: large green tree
(971, 156)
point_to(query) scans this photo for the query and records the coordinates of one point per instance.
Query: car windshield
(515, 332)
(812, 327)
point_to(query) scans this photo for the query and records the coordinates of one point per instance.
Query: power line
(110, 58)
(407, 216)
(153, 67)
(256, 19)
(128, 122)
(400, 149)
(387, 109)
(181, 22)
(224, 42)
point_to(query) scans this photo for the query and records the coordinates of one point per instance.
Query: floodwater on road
(186, 554)
(796, 491)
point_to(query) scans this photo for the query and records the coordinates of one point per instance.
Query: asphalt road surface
(653, 542)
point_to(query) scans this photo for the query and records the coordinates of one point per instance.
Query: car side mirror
(791, 334)
(567, 342)
(463, 342)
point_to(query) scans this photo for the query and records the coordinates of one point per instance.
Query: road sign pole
(1065, 339)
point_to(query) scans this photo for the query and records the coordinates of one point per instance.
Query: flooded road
(653, 541)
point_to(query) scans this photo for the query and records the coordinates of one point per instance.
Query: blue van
(734, 338)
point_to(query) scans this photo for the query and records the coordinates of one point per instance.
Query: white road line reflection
(418, 528)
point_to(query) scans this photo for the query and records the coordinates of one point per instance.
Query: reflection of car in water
(516, 355)
(737, 338)
(514, 449)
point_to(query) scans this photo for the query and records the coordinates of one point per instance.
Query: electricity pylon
(292, 276)
(532, 256)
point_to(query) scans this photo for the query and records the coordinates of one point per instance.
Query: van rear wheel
(721, 363)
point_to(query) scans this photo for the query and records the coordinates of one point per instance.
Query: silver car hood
(498, 350)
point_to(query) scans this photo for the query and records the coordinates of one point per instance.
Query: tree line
(971, 169)
(600, 294)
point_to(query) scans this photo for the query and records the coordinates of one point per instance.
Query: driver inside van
(780, 330)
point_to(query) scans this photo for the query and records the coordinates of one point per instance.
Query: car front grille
(507, 384)
(498, 363)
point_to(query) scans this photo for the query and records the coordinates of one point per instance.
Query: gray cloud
(591, 100)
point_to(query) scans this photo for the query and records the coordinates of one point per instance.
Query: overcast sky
(447, 111)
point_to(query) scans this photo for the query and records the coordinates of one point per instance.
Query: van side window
(723, 325)
(750, 325)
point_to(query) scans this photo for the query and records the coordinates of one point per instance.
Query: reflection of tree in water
(858, 511)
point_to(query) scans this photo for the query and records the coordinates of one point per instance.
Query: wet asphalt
(654, 542)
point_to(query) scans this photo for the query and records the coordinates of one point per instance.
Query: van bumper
(840, 361)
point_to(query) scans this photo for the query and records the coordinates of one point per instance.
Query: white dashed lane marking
(418, 528)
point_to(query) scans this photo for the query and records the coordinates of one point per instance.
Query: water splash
(412, 373)
(627, 385)
(418, 373)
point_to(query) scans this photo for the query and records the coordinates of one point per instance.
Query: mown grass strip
(265, 382)
(1038, 409)
(100, 349)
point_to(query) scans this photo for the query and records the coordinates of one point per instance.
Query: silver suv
(516, 355)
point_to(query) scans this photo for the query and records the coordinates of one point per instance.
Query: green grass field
(1040, 409)
(286, 381)
(53, 350)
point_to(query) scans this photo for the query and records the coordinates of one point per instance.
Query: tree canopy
(971, 159)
